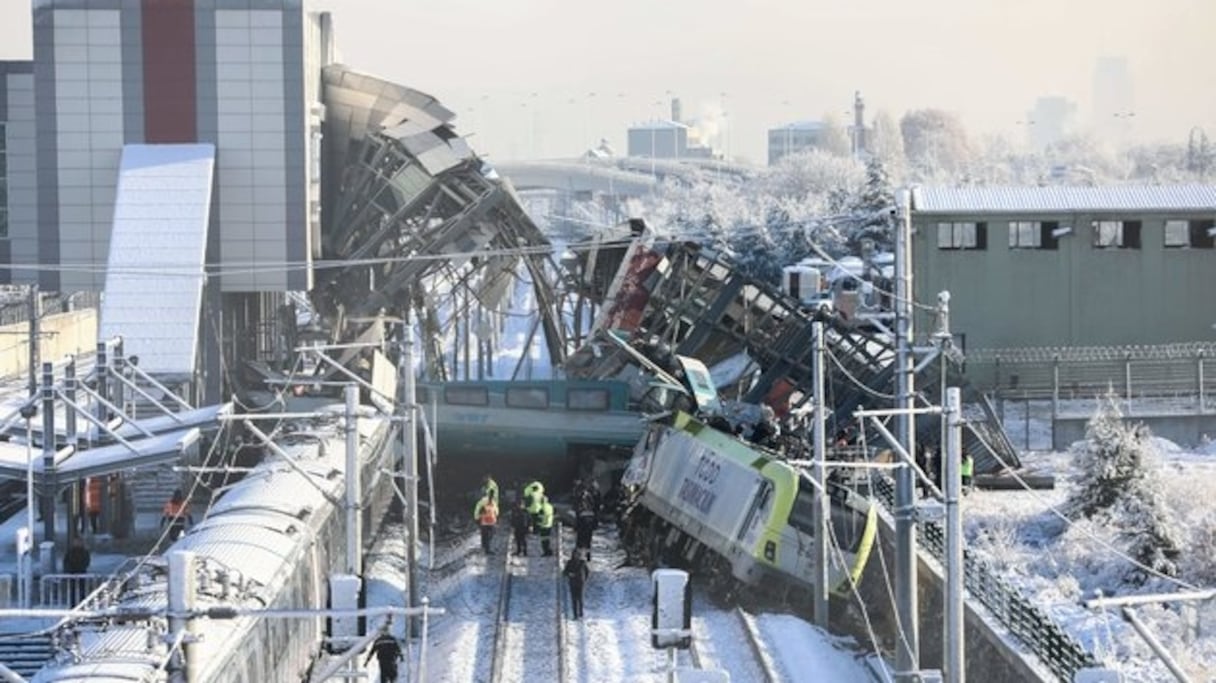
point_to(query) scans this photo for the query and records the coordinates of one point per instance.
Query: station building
(1068, 266)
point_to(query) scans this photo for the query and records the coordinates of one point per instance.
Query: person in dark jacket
(76, 561)
(577, 572)
(176, 515)
(521, 524)
(387, 652)
(585, 521)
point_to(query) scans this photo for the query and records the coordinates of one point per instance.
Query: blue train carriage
(534, 426)
(752, 512)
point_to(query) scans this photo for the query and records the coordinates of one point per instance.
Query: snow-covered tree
(887, 142)
(834, 138)
(871, 207)
(1117, 482)
(935, 142)
(811, 175)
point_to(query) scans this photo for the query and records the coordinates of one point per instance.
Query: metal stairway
(26, 655)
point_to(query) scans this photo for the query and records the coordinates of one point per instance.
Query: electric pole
(908, 645)
(820, 473)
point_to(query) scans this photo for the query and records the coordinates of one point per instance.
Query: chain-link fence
(1033, 386)
(1031, 625)
(1066, 373)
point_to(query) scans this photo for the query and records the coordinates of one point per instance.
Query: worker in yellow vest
(545, 527)
(966, 471)
(534, 495)
(486, 514)
(489, 487)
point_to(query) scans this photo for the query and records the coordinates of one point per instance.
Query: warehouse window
(1180, 234)
(1116, 234)
(1033, 234)
(962, 236)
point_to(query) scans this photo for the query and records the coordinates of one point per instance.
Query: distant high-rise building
(1051, 119)
(1113, 97)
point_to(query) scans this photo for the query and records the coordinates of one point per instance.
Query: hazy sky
(774, 61)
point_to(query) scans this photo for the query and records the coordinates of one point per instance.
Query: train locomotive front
(723, 501)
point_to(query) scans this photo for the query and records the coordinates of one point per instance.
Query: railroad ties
(530, 631)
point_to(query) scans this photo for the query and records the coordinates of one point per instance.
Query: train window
(802, 515)
(848, 527)
(527, 397)
(587, 399)
(759, 504)
(466, 396)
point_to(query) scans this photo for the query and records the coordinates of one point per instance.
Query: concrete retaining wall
(63, 334)
(1184, 429)
(991, 653)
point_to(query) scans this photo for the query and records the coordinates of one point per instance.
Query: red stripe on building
(169, 72)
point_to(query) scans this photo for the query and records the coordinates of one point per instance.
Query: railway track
(530, 629)
(701, 651)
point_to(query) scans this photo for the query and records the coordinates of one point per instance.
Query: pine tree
(1116, 481)
(871, 206)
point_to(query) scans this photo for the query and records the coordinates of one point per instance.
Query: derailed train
(270, 541)
(722, 504)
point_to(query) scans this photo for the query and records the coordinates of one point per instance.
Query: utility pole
(908, 645)
(35, 312)
(354, 539)
(49, 484)
(820, 473)
(952, 657)
(409, 457)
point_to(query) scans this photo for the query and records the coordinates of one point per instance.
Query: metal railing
(1166, 370)
(67, 590)
(1063, 655)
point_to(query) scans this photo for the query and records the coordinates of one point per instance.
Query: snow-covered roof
(1063, 199)
(660, 124)
(801, 125)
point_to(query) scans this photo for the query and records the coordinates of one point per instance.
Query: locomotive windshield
(848, 524)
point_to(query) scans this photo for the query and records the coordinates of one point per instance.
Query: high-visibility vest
(534, 496)
(968, 466)
(486, 512)
(92, 494)
(546, 516)
(177, 509)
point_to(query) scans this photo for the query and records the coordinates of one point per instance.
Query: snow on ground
(611, 642)
(1059, 563)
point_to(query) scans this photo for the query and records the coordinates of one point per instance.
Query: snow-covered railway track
(529, 633)
(763, 661)
(728, 640)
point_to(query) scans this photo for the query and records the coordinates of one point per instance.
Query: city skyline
(538, 79)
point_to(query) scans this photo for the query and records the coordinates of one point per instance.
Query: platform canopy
(72, 464)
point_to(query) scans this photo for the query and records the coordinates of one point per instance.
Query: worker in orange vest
(176, 515)
(486, 514)
(92, 504)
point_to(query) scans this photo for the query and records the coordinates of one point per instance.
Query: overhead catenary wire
(231, 268)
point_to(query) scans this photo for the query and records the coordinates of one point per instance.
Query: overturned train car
(726, 506)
